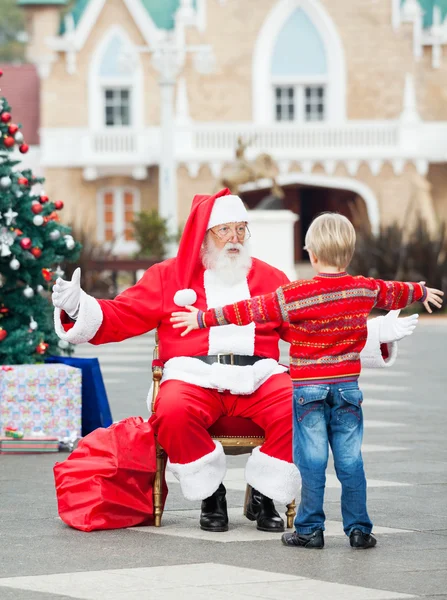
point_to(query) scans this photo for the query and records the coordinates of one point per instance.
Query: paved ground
(405, 454)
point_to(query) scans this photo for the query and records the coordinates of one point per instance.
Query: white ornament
(40, 288)
(63, 344)
(55, 235)
(32, 324)
(19, 194)
(5, 182)
(69, 242)
(59, 272)
(19, 137)
(38, 220)
(185, 297)
(6, 240)
(10, 215)
(28, 292)
(14, 264)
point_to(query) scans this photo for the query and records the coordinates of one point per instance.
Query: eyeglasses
(226, 233)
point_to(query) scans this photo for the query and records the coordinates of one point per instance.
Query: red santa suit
(194, 394)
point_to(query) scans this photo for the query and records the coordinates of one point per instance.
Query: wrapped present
(42, 400)
(24, 445)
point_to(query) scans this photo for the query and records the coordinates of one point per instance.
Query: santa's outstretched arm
(80, 318)
(383, 334)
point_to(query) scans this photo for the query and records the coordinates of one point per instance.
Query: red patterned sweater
(327, 319)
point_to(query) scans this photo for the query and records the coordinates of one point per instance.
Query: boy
(327, 317)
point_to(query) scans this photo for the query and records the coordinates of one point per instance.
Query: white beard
(229, 269)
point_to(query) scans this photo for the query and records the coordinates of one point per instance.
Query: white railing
(113, 142)
(289, 137)
(216, 142)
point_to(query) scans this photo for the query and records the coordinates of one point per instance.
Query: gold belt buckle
(219, 354)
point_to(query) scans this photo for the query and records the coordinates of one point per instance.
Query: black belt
(230, 359)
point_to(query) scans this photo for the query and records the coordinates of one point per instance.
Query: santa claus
(214, 372)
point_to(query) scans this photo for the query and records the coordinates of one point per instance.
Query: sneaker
(360, 540)
(304, 540)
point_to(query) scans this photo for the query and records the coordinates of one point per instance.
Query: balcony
(205, 143)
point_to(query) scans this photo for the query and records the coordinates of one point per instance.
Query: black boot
(214, 515)
(262, 510)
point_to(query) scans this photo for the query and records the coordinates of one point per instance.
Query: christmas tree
(33, 245)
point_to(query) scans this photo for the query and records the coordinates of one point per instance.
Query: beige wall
(65, 97)
(377, 59)
(437, 176)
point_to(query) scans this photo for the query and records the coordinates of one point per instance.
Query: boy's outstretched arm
(392, 295)
(259, 309)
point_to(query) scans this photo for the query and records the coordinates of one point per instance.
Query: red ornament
(36, 252)
(13, 128)
(23, 148)
(1, 73)
(3, 334)
(9, 141)
(58, 205)
(18, 232)
(41, 348)
(22, 181)
(47, 274)
(25, 243)
(37, 208)
(4, 310)
(5, 117)
(44, 199)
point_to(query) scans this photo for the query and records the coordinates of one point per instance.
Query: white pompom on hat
(206, 212)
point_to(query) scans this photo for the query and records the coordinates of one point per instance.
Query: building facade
(142, 103)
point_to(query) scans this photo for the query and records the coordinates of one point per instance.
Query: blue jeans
(323, 415)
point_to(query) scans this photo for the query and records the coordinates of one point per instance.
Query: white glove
(393, 329)
(67, 294)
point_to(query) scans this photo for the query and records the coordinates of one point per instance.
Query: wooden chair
(236, 434)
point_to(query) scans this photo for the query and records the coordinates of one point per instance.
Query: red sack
(107, 482)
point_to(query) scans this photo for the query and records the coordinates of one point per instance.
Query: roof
(20, 86)
(161, 11)
(428, 6)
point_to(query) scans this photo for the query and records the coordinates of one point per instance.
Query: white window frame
(120, 245)
(98, 84)
(262, 79)
(299, 84)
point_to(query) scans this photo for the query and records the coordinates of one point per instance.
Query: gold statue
(245, 171)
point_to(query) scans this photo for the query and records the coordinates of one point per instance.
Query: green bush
(396, 254)
(151, 233)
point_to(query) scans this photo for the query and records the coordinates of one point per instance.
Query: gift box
(43, 399)
(28, 445)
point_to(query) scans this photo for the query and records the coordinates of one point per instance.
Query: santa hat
(206, 212)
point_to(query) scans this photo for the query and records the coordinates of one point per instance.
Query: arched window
(299, 71)
(115, 85)
(116, 209)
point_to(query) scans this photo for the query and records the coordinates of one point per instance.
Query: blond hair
(331, 238)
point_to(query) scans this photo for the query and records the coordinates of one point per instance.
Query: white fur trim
(275, 478)
(228, 338)
(235, 379)
(227, 209)
(185, 297)
(371, 355)
(201, 478)
(87, 323)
